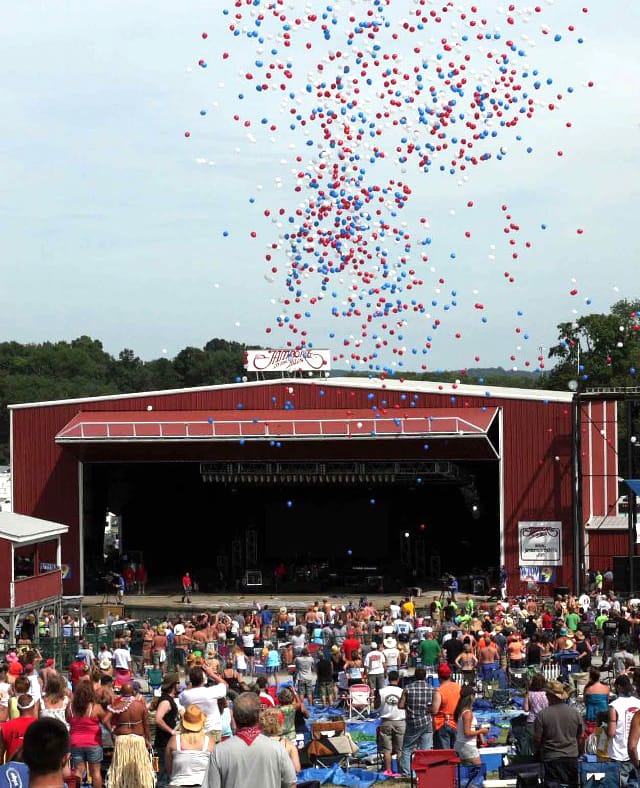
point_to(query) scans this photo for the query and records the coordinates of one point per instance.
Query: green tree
(599, 349)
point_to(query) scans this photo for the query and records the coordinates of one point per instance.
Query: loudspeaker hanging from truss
(236, 558)
(405, 550)
(419, 557)
(251, 547)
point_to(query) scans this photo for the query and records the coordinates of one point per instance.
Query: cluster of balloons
(383, 100)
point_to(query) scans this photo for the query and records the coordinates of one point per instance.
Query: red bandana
(249, 735)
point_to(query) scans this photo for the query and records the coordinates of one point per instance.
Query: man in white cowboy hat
(557, 734)
(391, 653)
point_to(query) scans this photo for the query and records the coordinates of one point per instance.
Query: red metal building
(518, 443)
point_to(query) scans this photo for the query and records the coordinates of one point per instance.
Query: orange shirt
(450, 695)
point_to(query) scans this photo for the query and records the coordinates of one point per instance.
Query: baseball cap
(444, 671)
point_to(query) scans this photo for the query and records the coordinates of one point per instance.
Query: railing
(33, 589)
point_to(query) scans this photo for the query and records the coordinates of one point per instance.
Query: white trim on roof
(409, 386)
(22, 529)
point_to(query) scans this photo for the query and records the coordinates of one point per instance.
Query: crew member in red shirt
(141, 578)
(187, 585)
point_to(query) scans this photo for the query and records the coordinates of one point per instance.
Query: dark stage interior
(328, 535)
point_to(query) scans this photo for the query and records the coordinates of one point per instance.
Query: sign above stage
(286, 360)
(540, 543)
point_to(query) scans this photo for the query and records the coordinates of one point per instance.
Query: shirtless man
(488, 660)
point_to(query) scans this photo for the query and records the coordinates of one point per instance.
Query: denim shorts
(86, 755)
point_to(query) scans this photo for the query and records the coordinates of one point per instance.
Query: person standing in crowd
(429, 651)
(55, 699)
(326, 687)
(250, 759)
(468, 732)
(122, 661)
(272, 725)
(131, 764)
(374, 663)
(416, 701)
(596, 698)
(84, 716)
(621, 712)
(557, 735)
(199, 694)
(305, 675)
(13, 731)
(445, 701)
(188, 753)
(166, 719)
(392, 720)
(45, 751)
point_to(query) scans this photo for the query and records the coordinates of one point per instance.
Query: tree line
(594, 350)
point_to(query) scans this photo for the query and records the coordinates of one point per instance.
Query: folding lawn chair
(331, 744)
(359, 701)
(154, 678)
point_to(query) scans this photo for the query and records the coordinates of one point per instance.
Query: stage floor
(137, 605)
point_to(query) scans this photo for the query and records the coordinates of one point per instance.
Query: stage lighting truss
(342, 473)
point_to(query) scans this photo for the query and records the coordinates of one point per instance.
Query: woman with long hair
(55, 699)
(596, 699)
(84, 716)
(468, 733)
(535, 699)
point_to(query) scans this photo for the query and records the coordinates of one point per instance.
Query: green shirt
(572, 619)
(429, 651)
(600, 620)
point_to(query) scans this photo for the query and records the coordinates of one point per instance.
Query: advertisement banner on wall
(540, 543)
(537, 574)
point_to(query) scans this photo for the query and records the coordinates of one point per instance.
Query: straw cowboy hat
(179, 629)
(193, 719)
(557, 689)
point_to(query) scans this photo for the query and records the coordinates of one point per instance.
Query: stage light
(406, 534)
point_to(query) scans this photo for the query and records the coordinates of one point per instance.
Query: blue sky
(114, 224)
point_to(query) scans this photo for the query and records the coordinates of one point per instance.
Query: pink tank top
(85, 731)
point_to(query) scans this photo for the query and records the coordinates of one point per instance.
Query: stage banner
(305, 360)
(540, 543)
(537, 574)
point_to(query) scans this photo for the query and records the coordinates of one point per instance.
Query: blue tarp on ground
(357, 778)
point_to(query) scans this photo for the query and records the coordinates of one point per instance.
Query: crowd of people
(235, 692)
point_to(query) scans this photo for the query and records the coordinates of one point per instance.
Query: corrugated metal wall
(536, 450)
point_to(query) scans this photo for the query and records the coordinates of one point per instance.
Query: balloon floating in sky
(372, 105)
